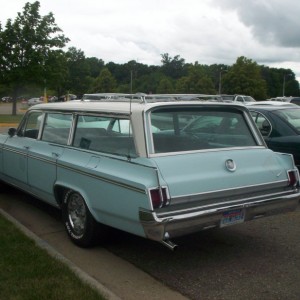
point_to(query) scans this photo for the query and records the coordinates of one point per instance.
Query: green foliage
(244, 77)
(165, 86)
(78, 71)
(197, 81)
(275, 78)
(27, 46)
(147, 83)
(94, 65)
(11, 119)
(173, 67)
(31, 59)
(104, 83)
(182, 85)
(57, 73)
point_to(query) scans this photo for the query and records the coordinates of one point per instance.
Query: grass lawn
(10, 118)
(28, 272)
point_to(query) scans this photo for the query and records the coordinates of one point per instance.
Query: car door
(15, 150)
(44, 152)
(278, 137)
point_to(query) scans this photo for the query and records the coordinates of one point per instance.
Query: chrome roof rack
(145, 98)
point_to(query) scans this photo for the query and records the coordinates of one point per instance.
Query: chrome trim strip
(204, 150)
(228, 206)
(24, 153)
(28, 155)
(102, 179)
(223, 193)
(241, 201)
(49, 161)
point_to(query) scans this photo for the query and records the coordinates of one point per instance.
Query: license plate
(232, 217)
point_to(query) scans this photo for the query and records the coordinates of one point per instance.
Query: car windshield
(188, 129)
(291, 116)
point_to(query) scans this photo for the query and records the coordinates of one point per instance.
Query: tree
(95, 66)
(26, 45)
(198, 81)
(173, 67)
(79, 71)
(165, 86)
(244, 77)
(104, 83)
(57, 72)
(147, 83)
(182, 85)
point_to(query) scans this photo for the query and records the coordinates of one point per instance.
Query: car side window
(31, 125)
(104, 134)
(57, 128)
(121, 126)
(262, 123)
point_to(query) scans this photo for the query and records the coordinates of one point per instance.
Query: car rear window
(189, 129)
(291, 116)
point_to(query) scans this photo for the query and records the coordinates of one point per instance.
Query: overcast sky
(207, 31)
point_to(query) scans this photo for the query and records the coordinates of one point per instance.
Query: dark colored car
(280, 127)
(295, 100)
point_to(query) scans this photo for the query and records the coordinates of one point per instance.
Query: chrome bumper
(162, 227)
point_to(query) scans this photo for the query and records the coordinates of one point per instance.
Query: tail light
(159, 197)
(293, 178)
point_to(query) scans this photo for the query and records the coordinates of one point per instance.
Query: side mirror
(12, 131)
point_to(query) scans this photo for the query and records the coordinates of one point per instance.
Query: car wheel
(80, 225)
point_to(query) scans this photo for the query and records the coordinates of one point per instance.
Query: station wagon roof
(122, 107)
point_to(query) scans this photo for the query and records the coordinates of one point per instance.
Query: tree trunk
(14, 101)
(14, 106)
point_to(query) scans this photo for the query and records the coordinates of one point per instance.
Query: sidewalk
(113, 276)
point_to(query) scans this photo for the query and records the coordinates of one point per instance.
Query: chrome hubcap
(77, 213)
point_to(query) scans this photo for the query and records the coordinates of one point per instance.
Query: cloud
(274, 22)
(207, 31)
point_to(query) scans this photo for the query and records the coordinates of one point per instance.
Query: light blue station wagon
(157, 169)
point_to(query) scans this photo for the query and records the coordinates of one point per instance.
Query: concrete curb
(51, 251)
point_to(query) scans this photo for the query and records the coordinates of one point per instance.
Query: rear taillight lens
(159, 197)
(293, 178)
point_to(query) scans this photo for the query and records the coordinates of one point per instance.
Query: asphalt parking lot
(6, 108)
(255, 260)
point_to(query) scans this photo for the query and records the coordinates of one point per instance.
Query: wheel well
(60, 192)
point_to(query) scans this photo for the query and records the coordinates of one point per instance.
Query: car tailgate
(221, 172)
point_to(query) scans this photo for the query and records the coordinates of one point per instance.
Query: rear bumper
(161, 227)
